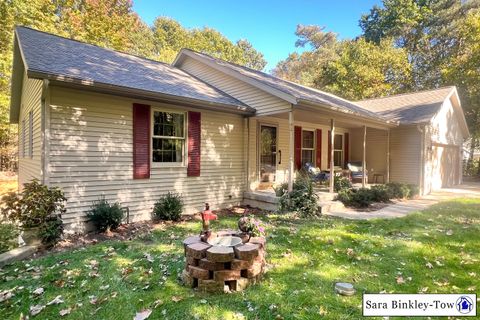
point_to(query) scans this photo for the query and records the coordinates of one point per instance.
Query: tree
(365, 70)
(354, 69)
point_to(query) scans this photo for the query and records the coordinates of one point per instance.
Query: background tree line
(406, 45)
(107, 23)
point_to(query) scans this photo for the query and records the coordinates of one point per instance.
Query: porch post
(291, 151)
(364, 159)
(388, 156)
(332, 139)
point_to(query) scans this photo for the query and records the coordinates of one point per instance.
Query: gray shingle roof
(295, 90)
(409, 108)
(53, 55)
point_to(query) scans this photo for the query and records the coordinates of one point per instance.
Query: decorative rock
(244, 236)
(191, 261)
(220, 254)
(197, 250)
(345, 289)
(210, 285)
(210, 265)
(248, 251)
(253, 271)
(225, 233)
(240, 264)
(187, 279)
(226, 275)
(198, 273)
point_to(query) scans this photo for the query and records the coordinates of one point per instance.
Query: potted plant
(34, 209)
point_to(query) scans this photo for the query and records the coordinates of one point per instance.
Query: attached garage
(426, 147)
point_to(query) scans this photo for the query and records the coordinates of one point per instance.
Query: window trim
(339, 150)
(314, 149)
(183, 163)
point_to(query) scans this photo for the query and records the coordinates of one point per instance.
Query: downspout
(422, 158)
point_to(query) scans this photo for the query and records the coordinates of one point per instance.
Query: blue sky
(268, 25)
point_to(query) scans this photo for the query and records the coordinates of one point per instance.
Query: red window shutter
(347, 147)
(318, 156)
(141, 141)
(329, 147)
(298, 147)
(194, 139)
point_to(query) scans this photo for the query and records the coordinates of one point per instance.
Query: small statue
(207, 215)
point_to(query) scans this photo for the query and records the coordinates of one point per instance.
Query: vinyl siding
(283, 136)
(405, 155)
(29, 167)
(446, 127)
(91, 156)
(376, 150)
(262, 101)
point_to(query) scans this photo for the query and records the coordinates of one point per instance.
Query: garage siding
(405, 155)
(91, 157)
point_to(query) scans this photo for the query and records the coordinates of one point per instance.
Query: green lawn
(435, 251)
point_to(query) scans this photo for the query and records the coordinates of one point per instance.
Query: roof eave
(140, 94)
(377, 120)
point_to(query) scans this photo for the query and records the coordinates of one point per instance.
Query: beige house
(100, 123)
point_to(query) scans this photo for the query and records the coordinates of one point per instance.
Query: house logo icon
(464, 305)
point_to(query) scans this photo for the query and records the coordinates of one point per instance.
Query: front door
(268, 153)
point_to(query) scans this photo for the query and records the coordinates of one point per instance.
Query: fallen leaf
(176, 298)
(5, 295)
(149, 257)
(449, 232)
(38, 291)
(104, 287)
(34, 310)
(143, 314)
(429, 265)
(157, 303)
(64, 312)
(400, 280)
(57, 300)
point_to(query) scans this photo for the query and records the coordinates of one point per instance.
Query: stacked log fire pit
(223, 261)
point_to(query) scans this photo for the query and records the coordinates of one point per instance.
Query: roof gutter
(139, 94)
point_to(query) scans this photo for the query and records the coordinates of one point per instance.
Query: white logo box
(386, 305)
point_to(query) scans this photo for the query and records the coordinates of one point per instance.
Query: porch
(279, 145)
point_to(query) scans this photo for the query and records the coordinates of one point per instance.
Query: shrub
(302, 199)
(34, 205)
(105, 216)
(8, 237)
(397, 190)
(359, 198)
(281, 189)
(341, 183)
(414, 190)
(168, 207)
(253, 226)
(51, 231)
(380, 193)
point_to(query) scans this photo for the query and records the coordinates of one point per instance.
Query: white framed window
(338, 150)
(308, 147)
(30, 134)
(24, 139)
(168, 137)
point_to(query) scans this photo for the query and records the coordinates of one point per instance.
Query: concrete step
(330, 206)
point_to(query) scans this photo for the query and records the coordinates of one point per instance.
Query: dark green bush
(51, 230)
(302, 199)
(105, 216)
(358, 198)
(380, 193)
(281, 189)
(397, 190)
(8, 237)
(168, 207)
(341, 183)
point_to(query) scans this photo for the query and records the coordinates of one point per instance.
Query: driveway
(403, 208)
